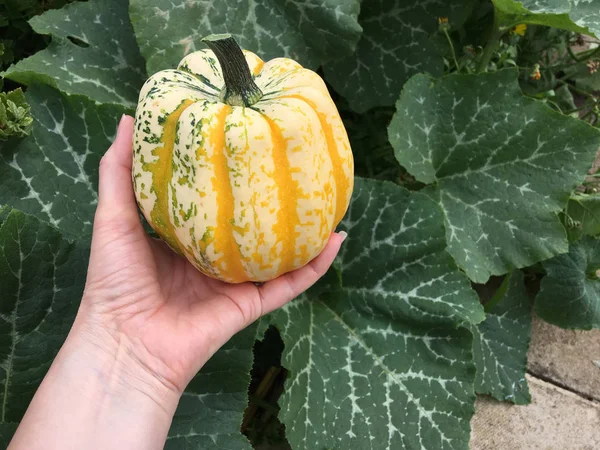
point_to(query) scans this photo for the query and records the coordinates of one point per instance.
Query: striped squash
(242, 166)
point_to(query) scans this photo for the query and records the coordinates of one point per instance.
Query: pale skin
(148, 321)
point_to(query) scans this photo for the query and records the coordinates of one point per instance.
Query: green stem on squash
(240, 89)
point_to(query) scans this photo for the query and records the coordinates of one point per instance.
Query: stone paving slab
(568, 358)
(556, 419)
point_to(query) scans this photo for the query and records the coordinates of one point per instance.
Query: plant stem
(488, 51)
(263, 389)
(572, 54)
(578, 90)
(581, 108)
(452, 49)
(240, 89)
(589, 113)
(589, 54)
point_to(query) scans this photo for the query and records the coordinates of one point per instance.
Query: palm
(196, 309)
(176, 314)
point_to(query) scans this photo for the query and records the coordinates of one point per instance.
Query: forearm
(96, 397)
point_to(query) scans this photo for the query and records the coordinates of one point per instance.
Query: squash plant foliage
(471, 156)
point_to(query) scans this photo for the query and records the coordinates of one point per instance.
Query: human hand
(166, 314)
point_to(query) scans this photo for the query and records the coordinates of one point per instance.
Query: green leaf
(311, 32)
(4, 212)
(383, 362)
(570, 292)
(53, 173)
(103, 63)
(395, 44)
(584, 78)
(586, 14)
(7, 430)
(581, 16)
(15, 119)
(503, 165)
(210, 411)
(500, 345)
(42, 282)
(563, 98)
(583, 216)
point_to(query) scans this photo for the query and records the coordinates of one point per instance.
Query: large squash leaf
(382, 362)
(102, 62)
(395, 45)
(42, 277)
(501, 343)
(53, 173)
(311, 31)
(570, 293)
(574, 15)
(503, 166)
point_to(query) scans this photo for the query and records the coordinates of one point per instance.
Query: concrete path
(564, 380)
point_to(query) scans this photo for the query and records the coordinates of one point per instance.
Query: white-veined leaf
(309, 31)
(41, 283)
(574, 15)
(570, 292)
(503, 166)
(501, 343)
(395, 45)
(93, 52)
(53, 173)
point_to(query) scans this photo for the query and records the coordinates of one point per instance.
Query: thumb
(116, 200)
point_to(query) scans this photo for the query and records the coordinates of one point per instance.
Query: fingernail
(119, 126)
(343, 235)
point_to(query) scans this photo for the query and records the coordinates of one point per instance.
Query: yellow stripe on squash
(245, 193)
(162, 175)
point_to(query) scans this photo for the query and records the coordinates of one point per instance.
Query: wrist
(117, 367)
(96, 389)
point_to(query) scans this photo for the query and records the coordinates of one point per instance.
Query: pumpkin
(242, 166)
